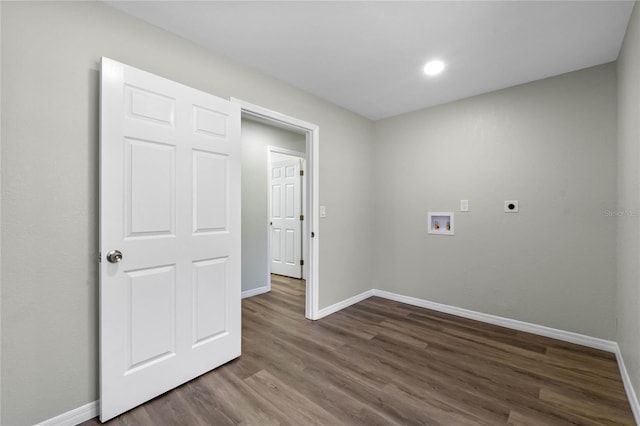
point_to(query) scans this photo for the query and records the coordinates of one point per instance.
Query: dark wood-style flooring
(385, 363)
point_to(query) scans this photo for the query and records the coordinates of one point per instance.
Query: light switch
(323, 211)
(464, 205)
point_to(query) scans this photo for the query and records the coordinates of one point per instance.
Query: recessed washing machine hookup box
(440, 223)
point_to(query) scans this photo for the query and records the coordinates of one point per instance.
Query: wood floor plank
(533, 418)
(514, 357)
(608, 367)
(244, 402)
(445, 385)
(381, 362)
(297, 407)
(305, 374)
(592, 410)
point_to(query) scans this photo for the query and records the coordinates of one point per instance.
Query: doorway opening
(310, 202)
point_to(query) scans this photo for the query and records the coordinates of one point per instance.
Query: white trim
(305, 223)
(541, 330)
(285, 151)
(628, 386)
(74, 417)
(312, 132)
(344, 304)
(256, 291)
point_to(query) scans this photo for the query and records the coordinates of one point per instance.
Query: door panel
(290, 246)
(209, 122)
(276, 239)
(151, 319)
(276, 202)
(290, 201)
(210, 312)
(145, 105)
(170, 202)
(149, 188)
(209, 192)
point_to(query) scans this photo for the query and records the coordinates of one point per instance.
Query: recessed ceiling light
(434, 67)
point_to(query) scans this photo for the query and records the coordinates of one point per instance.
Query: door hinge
(99, 257)
(301, 172)
(301, 262)
(301, 217)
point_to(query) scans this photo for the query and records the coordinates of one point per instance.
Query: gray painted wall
(628, 336)
(550, 144)
(50, 60)
(256, 138)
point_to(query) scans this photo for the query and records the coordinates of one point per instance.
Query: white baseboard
(628, 386)
(554, 333)
(255, 291)
(74, 417)
(344, 304)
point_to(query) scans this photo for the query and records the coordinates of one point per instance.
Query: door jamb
(311, 244)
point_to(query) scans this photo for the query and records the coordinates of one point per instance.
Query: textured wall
(629, 199)
(550, 144)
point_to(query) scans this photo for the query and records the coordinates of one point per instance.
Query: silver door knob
(114, 256)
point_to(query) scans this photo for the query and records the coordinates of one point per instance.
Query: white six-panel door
(170, 203)
(286, 226)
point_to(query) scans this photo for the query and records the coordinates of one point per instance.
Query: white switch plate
(511, 206)
(323, 211)
(464, 205)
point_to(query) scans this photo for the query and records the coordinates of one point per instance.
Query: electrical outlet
(464, 205)
(511, 206)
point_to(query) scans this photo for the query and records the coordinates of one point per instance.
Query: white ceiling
(367, 56)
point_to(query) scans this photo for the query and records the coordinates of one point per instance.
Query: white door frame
(303, 196)
(311, 206)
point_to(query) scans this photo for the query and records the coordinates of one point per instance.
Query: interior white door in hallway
(169, 235)
(286, 217)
